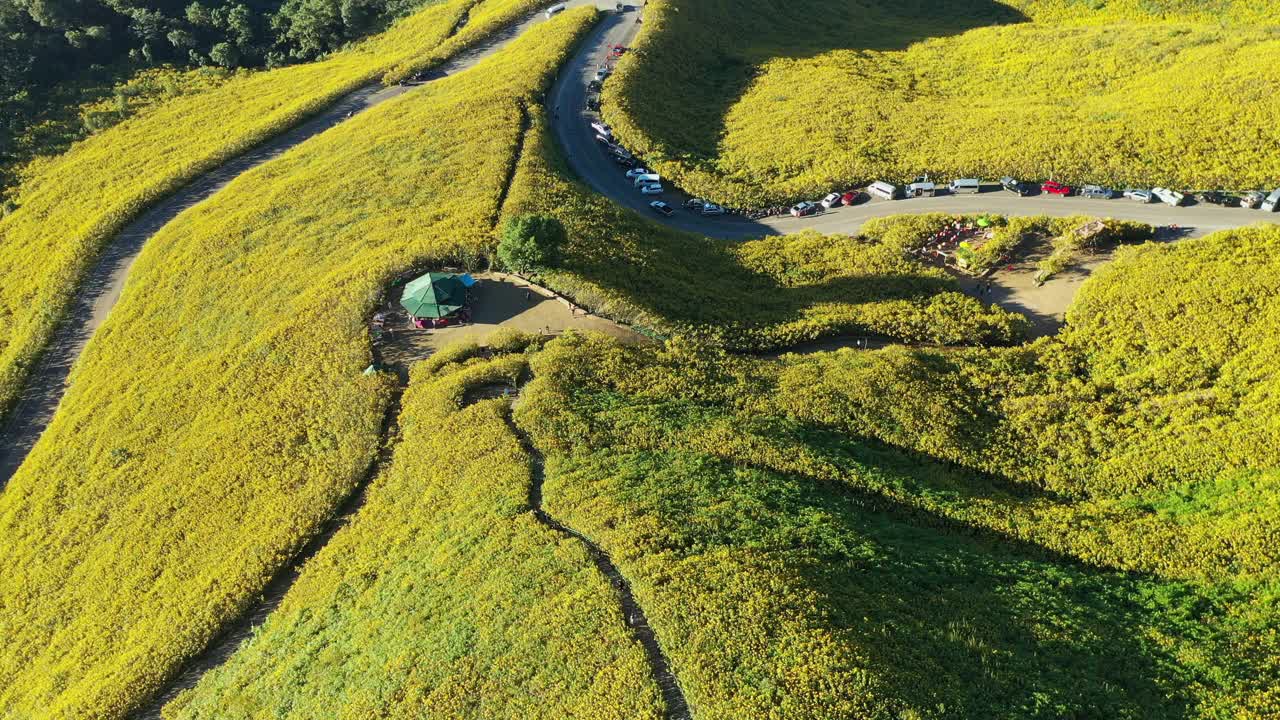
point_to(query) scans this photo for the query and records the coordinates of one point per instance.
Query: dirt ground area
(498, 301)
(1013, 286)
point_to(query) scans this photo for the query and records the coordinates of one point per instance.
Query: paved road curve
(577, 140)
(102, 286)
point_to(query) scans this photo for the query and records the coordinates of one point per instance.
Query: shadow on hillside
(687, 278)
(973, 628)
(952, 625)
(728, 42)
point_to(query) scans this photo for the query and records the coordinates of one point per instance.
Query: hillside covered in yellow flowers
(790, 100)
(244, 510)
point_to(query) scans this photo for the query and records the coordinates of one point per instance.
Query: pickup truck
(1169, 197)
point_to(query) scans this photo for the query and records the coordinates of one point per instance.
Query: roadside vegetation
(1079, 527)
(757, 295)
(221, 414)
(791, 101)
(443, 597)
(68, 206)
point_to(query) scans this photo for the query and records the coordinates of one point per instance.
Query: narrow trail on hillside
(229, 639)
(633, 615)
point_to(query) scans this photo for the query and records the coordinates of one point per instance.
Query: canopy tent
(434, 295)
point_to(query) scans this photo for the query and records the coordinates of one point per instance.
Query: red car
(617, 50)
(851, 197)
(1055, 188)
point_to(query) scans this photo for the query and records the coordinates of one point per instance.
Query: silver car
(1144, 196)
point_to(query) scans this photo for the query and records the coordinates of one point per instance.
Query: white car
(602, 72)
(602, 129)
(830, 201)
(804, 209)
(654, 189)
(712, 209)
(1169, 197)
(1252, 200)
(634, 173)
(1139, 195)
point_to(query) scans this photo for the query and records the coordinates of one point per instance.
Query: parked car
(622, 152)
(1252, 200)
(695, 204)
(1055, 188)
(965, 185)
(622, 160)
(634, 173)
(602, 129)
(1169, 197)
(607, 142)
(830, 201)
(593, 103)
(662, 208)
(1272, 203)
(617, 50)
(804, 209)
(646, 179)
(1017, 187)
(1139, 195)
(602, 72)
(1097, 192)
(595, 86)
(712, 209)
(851, 197)
(653, 189)
(1215, 197)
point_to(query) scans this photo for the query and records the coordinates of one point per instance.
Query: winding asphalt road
(572, 119)
(101, 288)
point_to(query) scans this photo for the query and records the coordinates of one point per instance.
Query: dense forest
(44, 43)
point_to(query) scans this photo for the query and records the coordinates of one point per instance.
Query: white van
(555, 9)
(923, 188)
(649, 179)
(966, 185)
(1169, 197)
(884, 190)
(1272, 203)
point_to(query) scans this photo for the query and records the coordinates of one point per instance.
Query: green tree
(530, 242)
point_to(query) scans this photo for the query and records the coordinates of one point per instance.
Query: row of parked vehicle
(646, 181)
(650, 183)
(922, 187)
(1167, 196)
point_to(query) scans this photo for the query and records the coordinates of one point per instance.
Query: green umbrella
(434, 295)
(984, 222)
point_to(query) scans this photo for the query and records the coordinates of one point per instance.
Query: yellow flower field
(221, 414)
(443, 597)
(1079, 527)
